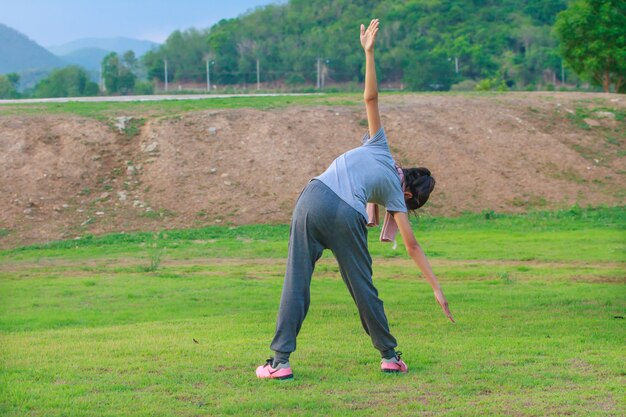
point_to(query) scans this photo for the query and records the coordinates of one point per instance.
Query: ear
(408, 195)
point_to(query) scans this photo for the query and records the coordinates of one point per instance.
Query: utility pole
(165, 61)
(324, 72)
(562, 73)
(318, 74)
(456, 64)
(258, 75)
(208, 76)
(208, 72)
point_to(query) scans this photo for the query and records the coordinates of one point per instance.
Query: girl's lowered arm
(370, 95)
(418, 256)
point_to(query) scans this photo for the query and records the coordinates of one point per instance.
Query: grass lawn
(174, 324)
(104, 110)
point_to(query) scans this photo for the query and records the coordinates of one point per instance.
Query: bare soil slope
(63, 176)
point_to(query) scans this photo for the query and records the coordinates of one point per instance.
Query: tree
(8, 85)
(118, 74)
(71, 81)
(544, 11)
(130, 60)
(593, 41)
(185, 52)
(110, 71)
(430, 71)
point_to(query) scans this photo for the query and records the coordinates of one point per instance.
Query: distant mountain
(88, 58)
(18, 53)
(119, 45)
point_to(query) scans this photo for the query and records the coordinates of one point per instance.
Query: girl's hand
(441, 299)
(368, 37)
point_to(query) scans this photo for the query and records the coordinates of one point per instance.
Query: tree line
(426, 45)
(423, 45)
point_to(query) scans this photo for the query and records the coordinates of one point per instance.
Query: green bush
(71, 81)
(144, 88)
(484, 85)
(491, 84)
(465, 85)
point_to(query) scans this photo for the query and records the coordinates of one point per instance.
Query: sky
(55, 22)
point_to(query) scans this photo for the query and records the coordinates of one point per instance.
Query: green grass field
(104, 110)
(174, 324)
(148, 109)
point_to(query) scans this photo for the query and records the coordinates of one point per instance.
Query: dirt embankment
(63, 176)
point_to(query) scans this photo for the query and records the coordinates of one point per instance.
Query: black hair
(420, 183)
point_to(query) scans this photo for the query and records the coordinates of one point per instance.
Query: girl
(331, 214)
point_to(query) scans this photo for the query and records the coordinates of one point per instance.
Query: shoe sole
(392, 371)
(279, 378)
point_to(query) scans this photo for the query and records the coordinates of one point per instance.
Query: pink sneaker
(282, 370)
(394, 365)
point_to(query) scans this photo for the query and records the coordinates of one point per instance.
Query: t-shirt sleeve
(396, 201)
(378, 140)
(394, 196)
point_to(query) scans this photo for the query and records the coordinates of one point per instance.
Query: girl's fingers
(373, 22)
(449, 314)
(371, 29)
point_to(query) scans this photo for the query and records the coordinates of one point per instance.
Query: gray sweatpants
(321, 220)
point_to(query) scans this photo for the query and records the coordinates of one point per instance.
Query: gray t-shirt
(366, 174)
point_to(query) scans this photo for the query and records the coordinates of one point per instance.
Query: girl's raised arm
(370, 95)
